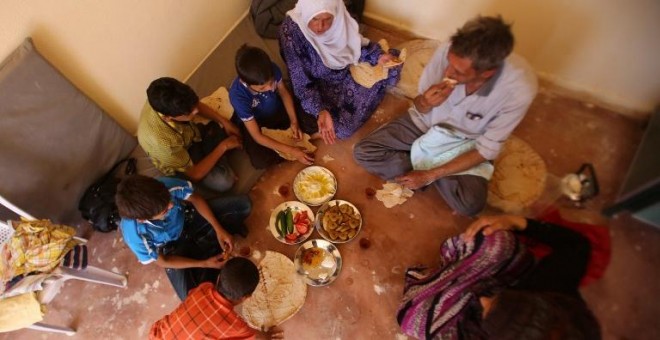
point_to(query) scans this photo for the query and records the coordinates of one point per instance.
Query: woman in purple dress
(319, 40)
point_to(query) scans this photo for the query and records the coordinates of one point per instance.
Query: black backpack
(98, 203)
(267, 15)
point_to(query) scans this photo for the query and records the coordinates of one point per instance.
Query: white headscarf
(340, 45)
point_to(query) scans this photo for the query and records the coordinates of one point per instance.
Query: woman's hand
(303, 157)
(295, 130)
(385, 57)
(491, 224)
(326, 127)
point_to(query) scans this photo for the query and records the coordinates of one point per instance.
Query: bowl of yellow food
(315, 185)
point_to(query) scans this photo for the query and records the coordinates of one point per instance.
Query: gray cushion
(54, 141)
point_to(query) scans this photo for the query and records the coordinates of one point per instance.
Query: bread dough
(279, 295)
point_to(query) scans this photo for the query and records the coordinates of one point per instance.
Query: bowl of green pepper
(291, 222)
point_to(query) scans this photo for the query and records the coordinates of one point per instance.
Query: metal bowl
(319, 221)
(326, 271)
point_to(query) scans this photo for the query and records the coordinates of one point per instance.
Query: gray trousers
(386, 153)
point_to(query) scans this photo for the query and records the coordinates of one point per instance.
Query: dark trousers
(199, 241)
(262, 157)
(221, 178)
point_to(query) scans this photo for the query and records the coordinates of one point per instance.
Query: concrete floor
(361, 303)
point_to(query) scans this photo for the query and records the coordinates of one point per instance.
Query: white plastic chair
(58, 276)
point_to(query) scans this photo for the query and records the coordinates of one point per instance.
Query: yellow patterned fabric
(36, 246)
(166, 143)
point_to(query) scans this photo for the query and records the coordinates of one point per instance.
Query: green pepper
(283, 220)
(289, 221)
(279, 226)
(278, 223)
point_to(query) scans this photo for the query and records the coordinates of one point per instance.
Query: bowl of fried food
(338, 221)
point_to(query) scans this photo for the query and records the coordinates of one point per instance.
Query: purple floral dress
(321, 88)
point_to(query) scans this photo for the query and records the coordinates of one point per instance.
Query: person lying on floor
(208, 311)
(190, 241)
(489, 286)
(179, 147)
(260, 99)
(473, 93)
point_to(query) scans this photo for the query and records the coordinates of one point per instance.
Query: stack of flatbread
(519, 177)
(286, 137)
(393, 194)
(367, 75)
(419, 54)
(279, 295)
(219, 101)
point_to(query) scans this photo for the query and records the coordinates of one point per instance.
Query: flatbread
(280, 294)
(519, 177)
(385, 46)
(418, 56)
(286, 137)
(219, 102)
(449, 81)
(367, 75)
(393, 194)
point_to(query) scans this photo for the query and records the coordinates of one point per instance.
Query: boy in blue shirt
(158, 226)
(260, 99)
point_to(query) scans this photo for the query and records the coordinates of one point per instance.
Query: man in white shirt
(473, 93)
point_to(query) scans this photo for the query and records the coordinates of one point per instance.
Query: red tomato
(296, 217)
(302, 228)
(292, 237)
